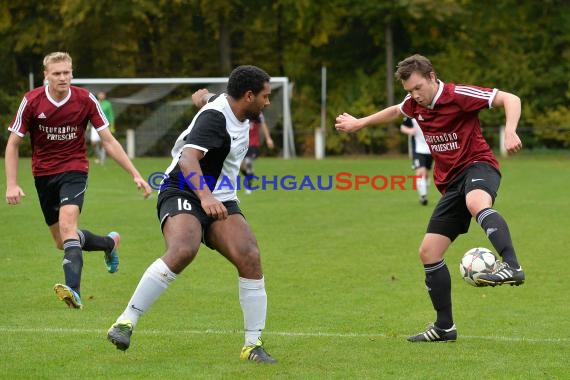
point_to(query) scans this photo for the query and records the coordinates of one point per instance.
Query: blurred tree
(523, 47)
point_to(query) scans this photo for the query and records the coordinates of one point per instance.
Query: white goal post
(277, 83)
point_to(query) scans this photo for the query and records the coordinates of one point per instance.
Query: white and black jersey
(419, 144)
(224, 139)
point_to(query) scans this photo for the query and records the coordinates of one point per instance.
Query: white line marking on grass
(47, 330)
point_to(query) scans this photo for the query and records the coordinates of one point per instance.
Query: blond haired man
(56, 117)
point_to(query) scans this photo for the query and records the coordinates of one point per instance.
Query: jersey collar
(437, 94)
(52, 100)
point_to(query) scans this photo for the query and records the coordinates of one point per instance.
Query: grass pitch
(344, 282)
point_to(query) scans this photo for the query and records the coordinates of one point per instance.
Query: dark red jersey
(57, 129)
(452, 130)
(254, 127)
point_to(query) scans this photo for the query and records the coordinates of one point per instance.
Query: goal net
(152, 110)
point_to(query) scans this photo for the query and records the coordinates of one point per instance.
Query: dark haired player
(191, 212)
(466, 173)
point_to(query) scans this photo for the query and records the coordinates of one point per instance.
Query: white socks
(421, 185)
(153, 283)
(253, 300)
(157, 278)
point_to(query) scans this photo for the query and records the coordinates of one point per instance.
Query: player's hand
(214, 208)
(142, 184)
(347, 123)
(14, 195)
(512, 142)
(200, 97)
(269, 143)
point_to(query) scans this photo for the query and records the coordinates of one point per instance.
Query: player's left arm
(512, 105)
(116, 151)
(201, 97)
(410, 131)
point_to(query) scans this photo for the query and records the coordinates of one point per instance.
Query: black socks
(438, 283)
(72, 263)
(498, 233)
(92, 242)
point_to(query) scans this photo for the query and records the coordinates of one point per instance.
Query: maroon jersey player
(466, 173)
(56, 117)
(246, 168)
(452, 129)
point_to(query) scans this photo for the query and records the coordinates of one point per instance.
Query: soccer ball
(475, 262)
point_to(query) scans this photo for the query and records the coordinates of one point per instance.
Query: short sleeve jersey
(223, 139)
(57, 129)
(452, 130)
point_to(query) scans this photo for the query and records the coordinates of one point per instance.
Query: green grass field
(344, 282)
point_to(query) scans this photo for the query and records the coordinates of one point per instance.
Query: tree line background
(518, 46)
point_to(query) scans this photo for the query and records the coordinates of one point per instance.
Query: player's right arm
(14, 192)
(208, 133)
(348, 123)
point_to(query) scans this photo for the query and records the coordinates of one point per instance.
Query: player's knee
(422, 253)
(477, 200)
(253, 253)
(179, 257)
(428, 255)
(185, 252)
(249, 260)
(67, 230)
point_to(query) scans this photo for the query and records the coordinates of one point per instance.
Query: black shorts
(173, 202)
(252, 152)
(61, 189)
(451, 217)
(421, 160)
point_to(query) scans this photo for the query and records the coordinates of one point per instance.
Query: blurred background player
(107, 107)
(421, 156)
(56, 117)
(246, 168)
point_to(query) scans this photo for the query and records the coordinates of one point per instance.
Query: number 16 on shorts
(183, 204)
